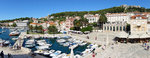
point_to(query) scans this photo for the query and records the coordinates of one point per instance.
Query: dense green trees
(88, 28)
(80, 23)
(102, 20)
(52, 30)
(21, 19)
(36, 29)
(14, 25)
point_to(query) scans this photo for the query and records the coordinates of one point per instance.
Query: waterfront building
(114, 27)
(119, 17)
(69, 23)
(138, 24)
(21, 24)
(35, 20)
(10, 23)
(92, 18)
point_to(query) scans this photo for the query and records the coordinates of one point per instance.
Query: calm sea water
(5, 35)
(57, 46)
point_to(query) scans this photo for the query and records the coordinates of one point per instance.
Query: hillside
(109, 10)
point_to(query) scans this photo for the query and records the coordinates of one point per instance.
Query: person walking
(147, 47)
(9, 55)
(2, 54)
(93, 55)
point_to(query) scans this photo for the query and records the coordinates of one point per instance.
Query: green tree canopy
(52, 30)
(14, 25)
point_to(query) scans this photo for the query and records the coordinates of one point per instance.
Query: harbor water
(56, 46)
(5, 35)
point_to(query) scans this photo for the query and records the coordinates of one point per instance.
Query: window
(113, 28)
(107, 27)
(120, 28)
(123, 28)
(110, 28)
(117, 28)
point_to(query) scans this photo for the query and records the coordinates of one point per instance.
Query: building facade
(114, 27)
(92, 18)
(119, 17)
(139, 24)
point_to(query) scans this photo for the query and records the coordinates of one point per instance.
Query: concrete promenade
(20, 40)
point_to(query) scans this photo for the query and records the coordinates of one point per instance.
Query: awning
(132, 36)
(144, 36)
(122, 35)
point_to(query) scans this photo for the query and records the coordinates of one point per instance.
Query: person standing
(93, 55)
(2, 54)
(9, 55)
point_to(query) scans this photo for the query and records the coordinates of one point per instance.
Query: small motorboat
(39, 51)
(46, 53)
(30, 45)
(77, 56)
(14, 38)
(51, 51)
(14, 33)
(82, 44)
(73, 46)
(31, 41)
(61, 40)
(55, 54)
(66, 44)
(42, 47)
(6, 42)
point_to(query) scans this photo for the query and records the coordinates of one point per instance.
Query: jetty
(20, 40)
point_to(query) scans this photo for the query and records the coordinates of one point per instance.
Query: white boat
(14, 38)
(82, 44)
(73, 46)
(51, 51)
(14, 33)
(61, 40)
(6, 42)
(66, 44)
(46, 53)
(30, 45)
(63, 55)
(87, 51)
(28, 42)
(41, 42)
(55, 54)
(39, 51)
(42, 47)
(77, 56)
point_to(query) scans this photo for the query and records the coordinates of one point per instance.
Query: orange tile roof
(143, 16)
(34, 23)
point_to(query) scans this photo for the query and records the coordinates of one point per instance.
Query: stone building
(139, 24)
(114, 27)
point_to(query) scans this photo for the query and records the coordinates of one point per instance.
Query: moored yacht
(15, 33)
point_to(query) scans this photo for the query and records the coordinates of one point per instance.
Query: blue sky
(10, 9)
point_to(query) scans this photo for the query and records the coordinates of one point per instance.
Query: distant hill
(109, 10)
